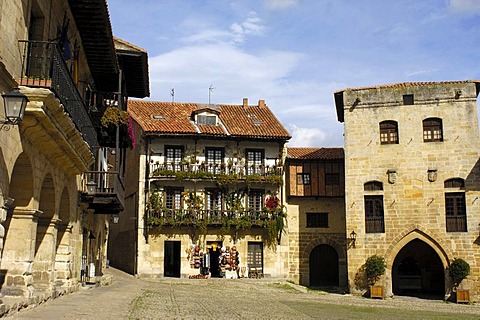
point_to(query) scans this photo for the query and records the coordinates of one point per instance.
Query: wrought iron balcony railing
(43, 65)
(210, 171)
(186, 217)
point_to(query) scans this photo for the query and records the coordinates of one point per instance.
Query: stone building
(412, 182)
(204, 178)
(60, 173)
(315, 190)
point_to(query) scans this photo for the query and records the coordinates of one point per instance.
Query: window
(408, 99)
(454, 183)
(455, 206)
(432, 130)
(214, 159)
(254, 160)
(373, 186)
(207, 120)
(173, 157)
(317, 220)
(374, 219)
(255, 200)
(388, 132)
(213, 202)
(332, 179)
(303, 178)
(173, 198)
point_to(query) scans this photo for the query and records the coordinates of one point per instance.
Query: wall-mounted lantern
(352, 238)
(115, 218)
(91, 187)
(14, 103)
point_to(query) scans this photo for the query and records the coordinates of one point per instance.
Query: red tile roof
(237, 120)
(315, 153)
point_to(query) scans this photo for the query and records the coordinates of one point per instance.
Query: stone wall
(414, 203)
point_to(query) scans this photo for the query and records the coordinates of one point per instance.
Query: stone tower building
(412, 182)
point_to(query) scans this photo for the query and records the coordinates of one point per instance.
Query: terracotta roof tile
(249, 121)
(315, 153)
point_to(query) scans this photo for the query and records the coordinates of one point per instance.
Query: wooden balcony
(103, 191)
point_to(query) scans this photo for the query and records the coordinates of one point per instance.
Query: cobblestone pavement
(168, 298)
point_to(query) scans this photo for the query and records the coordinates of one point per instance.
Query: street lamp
(15, 103)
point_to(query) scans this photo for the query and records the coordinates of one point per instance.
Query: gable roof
(315, 153)
(175, 118)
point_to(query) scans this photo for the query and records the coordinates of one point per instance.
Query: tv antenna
(172, 93)
(210, 90)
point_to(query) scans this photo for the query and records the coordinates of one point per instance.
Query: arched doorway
(418, 271)
(323, 264)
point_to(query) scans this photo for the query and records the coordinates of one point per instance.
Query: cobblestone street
(169, 298)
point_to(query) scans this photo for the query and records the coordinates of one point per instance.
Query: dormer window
(207, 120)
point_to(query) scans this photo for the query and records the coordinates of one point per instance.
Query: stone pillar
(64, 258)
(18, 253)
(43, 269)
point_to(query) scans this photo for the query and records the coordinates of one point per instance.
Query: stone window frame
(455, 205)
(389, 132)
(432, 130)
(374, 207)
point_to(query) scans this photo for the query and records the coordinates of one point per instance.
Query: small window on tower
(408, 99)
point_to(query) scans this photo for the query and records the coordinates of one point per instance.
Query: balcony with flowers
(230, 171)
(232, 217)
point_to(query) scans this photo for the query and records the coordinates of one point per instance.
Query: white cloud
(306, 137)
(465, 6)
(280, 4)
(251, 26)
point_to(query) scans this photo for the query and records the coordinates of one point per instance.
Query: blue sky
(295, 53)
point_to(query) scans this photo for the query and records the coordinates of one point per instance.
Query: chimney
(245, 102)
(261, 103)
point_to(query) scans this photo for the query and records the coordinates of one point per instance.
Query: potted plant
(374, 268)
(459, 270)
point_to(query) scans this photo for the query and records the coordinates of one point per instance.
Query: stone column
(64, 258)
(43, 269)
(18, 252)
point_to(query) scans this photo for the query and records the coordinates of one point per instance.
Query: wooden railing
(101, 183)
(374, 225)
(457, 223)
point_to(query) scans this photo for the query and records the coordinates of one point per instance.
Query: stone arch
(415, 234)
(21, 191)
(21, 186)
(323, 266)
(340, 249)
